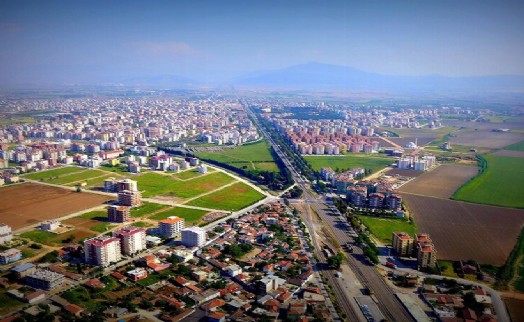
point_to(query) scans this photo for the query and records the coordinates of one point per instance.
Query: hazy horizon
(61, 42)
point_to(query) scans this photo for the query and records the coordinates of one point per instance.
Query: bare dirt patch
(485, 138)
(26, 204)
(463, 230)
(441, 182)
(404, 173)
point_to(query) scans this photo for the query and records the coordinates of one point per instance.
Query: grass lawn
(382, 228)
(191, 216)
(448, 268)
(99, 215)
(142, 224)
(102, 228)
(50, 239)
(153, 184)
(232, 198)
(39, 236)
(500, 184)
(256, 156)
(145, 209)
(47, 175)
(97, 181)
(8, 303)
(188, 174)
(519, 146)
(374, 162)
(77, 176)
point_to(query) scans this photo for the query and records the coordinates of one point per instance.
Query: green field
(50, 174)
(382, 228)
(232, 198)
(256, 156)
(191, 216)
(39, 236)
(145, 209)
(50, 239)
(153, 184)
(95, 215)
(77, 176)
(9, 303)
(101, 228)
(519, 146)
(500, 184)
(186, 175)
(349, 161)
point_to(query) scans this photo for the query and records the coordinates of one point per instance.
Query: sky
(91, 42)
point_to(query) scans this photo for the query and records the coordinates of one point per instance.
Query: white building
(202, 168)
(6, 235)
(171, 226)
(232, 270)
(102, 250)
(132, 239)
(193, 236)
(49, 225)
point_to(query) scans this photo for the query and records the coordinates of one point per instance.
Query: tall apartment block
(102, 250)
(402, 243)
(171, 226)
(193, 236)
(129, 198)
(426, 253)
(118, 213)
(5, 234)
(132, 239)
(126, 184)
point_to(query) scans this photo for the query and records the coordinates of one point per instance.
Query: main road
(368, 276)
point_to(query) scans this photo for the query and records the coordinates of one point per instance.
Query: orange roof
(171, 220)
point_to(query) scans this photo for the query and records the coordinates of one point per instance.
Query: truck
(391, 265)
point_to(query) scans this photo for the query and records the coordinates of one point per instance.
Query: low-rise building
(23, 270)
(10, 256)
(44, 279)
(6, 235)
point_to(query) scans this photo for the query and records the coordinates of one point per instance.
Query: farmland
(153, 184)
(501, 183)
(28, 204)
(68, 175)
(50, 239)
(189, 174)
(232, 198)
(256, 156)
(367, 161)
(484, 138)
(50, 174)
(519, 146)
(441, 182)
(382, 228)
(191, 216)
(462, 230)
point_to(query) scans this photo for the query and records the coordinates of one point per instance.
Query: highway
(368, 276)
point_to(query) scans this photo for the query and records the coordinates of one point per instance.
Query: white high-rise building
(193, 236)
(102, 250)
(132, 239)
(171, 226)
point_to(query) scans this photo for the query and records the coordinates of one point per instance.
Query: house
(216, 317)
(212, 305)
(232, 270)
(115, 312)
(137, 274)
(74, 309)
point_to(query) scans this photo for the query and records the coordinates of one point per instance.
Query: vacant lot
(153, 184)
(255, 156)
(145, 209)
(519, 146)
(510, 153)
(231, 198)
(501, 183)
(463, 230)
(383, 228)
(28, 204)
(77, 177)
(441, 182)
(50, 174)
(186, 175)
(374, 162)
(191, 216)
(50, 239)
(484, 138)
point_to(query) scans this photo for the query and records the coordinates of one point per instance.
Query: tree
(335, 261)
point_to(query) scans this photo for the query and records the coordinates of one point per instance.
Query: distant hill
(161, 80)
(325, 76)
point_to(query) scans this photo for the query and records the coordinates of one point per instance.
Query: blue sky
(101, 41)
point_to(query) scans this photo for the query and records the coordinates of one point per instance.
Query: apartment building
(102, 250)
(171, 226)
(402, 243)
(193, 236)
(426, 253)
(6, 235)
(10, 256)
(126, 184)
(118, 213)
(130, 198)
(132, 239)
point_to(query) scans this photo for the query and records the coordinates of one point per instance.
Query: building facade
(194, 236)
(6, 235)
(102, 250)
(129, 198)
(132, 239)
(118, 213)
(171, 226)
(402, 243)
(44, 279)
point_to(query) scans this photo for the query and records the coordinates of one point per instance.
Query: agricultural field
(30, 203)
(501, 183)
(465, 231)
(153, 184)
(441, 182)
(77, 177)
(382, 228)
(423, 136)
(50, 239)
(232, 198)
(191, 216)
(519, 146)
(256, 156)
(484, 138)
(375, 162)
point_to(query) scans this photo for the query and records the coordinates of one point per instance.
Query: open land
(484, 138)
(232, 198)
(463, 230)
(374, 162)
(441, 182)
(153, 184)
(382, 228)
(26, 204)
(189, 174)
(191, 216)
(423, 136)
(501, 183)
(256, 156)
(519, 146)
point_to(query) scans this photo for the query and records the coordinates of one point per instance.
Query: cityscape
(184, 171)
